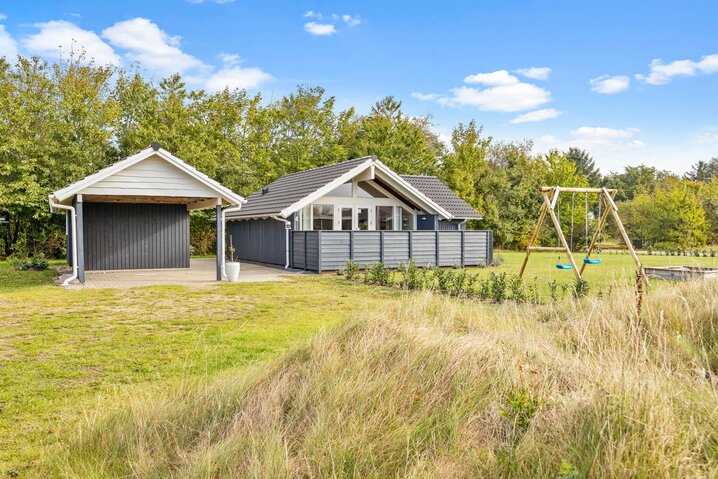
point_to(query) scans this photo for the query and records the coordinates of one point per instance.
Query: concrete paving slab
(200, 273)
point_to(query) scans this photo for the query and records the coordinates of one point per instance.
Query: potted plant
(231, 267)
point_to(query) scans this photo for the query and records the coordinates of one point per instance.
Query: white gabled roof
(154, 151)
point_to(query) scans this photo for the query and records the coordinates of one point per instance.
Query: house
(134, 214)
(361, 210)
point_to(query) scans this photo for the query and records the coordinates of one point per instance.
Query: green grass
(427, 386)
(617, 268)
(63, 351)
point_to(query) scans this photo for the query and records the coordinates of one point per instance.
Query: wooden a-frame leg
(627, 240)
(594, 240)
(534, 237)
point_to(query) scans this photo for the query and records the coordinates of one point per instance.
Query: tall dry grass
(433, 387)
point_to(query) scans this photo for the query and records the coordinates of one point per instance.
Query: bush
(411, 277)
(497, 261)
(36, 263)
(351, 270)
(378, 273)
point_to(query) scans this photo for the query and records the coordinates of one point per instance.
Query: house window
(404, 218)
(363, 219)
(305, 221)
(347, 214)
(322, 217)
(385, 217)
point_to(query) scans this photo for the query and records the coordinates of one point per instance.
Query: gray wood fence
(330, 250)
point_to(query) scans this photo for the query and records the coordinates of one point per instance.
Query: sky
(631, 82)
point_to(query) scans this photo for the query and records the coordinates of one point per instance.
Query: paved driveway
(201, 272)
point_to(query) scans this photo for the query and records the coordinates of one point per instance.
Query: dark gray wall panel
(135, 236)
(260, 240)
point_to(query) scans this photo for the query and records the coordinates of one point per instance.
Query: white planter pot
(231, 269)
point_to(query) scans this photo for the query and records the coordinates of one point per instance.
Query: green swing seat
(591, 261)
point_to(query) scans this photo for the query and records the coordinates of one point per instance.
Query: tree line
(62, 121)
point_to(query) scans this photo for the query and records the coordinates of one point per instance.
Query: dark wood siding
(260, 240)
(135, 236)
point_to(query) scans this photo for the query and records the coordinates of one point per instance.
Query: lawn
(63, 353)
(616, 268)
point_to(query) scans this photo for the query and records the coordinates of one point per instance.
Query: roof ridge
(327, 166)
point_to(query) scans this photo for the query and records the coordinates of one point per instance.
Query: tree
(671, 215)
(585, 165)
(704, 170)
(634, 180)
(405, 144)
(510, 193)
(466, 164)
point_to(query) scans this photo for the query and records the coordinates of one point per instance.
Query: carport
(134, 214)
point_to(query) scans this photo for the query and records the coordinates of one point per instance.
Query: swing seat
(564, 266)
(591, 261)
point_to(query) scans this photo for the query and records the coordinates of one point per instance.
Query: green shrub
(351, 269)
(379, 274)
(36, 263)
(498, 286)
(580, 288)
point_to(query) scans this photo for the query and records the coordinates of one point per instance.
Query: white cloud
(504, 93)
(613, 148)
(312, 14)
(504, 98)
(500, 77)
(233, 76)
(609, 84)
(536, 115)
(8, 47)
(599, 133)
(535, 73)
(708, 138)
(58, 38)
(320, 29)
(150, 46)
(3, 17)
(237, 77)
(350, 20)
(426, 96)
(662, 73)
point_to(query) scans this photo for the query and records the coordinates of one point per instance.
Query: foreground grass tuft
(432, 387)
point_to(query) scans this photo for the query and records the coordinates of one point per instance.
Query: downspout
(287, 227)
(73, 226)
(224, 234)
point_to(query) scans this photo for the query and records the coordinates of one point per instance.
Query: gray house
(134, 214)
(361, 210)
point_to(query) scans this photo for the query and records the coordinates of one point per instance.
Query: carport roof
(65, 195)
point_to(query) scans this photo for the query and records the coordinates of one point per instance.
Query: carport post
(220, 239)
(80, 225)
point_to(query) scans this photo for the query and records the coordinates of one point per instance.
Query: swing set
(551, 206)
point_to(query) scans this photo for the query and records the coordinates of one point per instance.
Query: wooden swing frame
(550, 198)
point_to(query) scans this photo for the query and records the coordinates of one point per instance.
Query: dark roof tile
(435, 189)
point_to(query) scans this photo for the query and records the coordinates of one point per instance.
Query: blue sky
(632, 82)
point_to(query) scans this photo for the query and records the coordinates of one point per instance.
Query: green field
(617, 268)
(64, 353)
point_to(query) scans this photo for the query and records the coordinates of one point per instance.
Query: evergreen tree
(585, 165)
